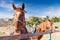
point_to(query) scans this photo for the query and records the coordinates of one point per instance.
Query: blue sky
(33, 7)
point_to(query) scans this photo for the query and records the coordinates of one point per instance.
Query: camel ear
(23, 6)
(14, 7)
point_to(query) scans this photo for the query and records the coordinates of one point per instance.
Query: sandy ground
(55, 36)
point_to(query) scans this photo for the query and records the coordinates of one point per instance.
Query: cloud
(45, 11)
(52, 11)
(7, 15)
(5, 4)
(31, 10)
(7, 11)
(49, 11)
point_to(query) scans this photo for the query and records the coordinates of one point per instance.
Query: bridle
(13, 28)
(17, 20)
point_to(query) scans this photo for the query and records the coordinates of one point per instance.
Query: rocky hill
(4, 22)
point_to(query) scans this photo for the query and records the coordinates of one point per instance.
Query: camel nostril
(56, 27)
(47, 28)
